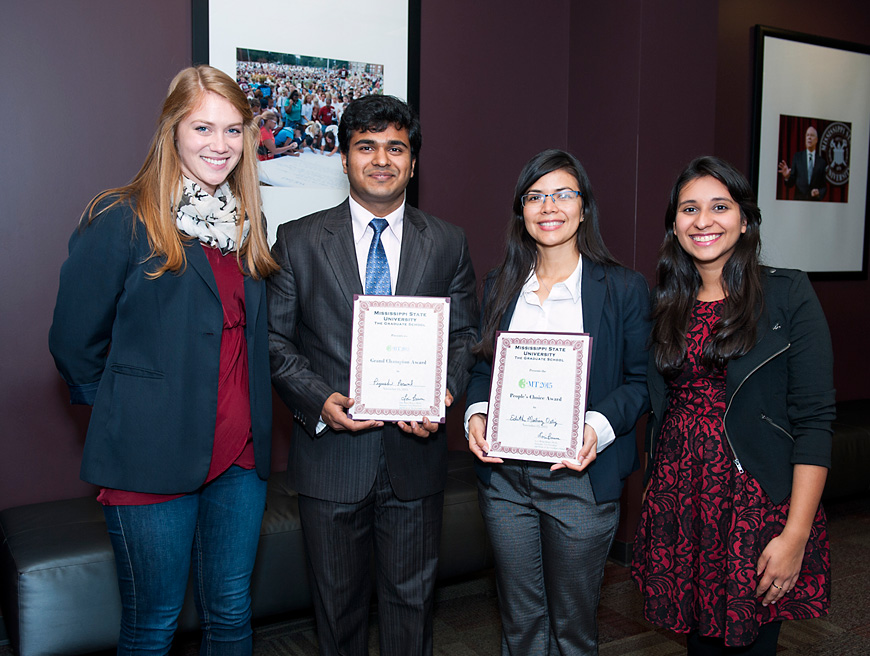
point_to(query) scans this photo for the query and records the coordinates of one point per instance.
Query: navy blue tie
(377, 267)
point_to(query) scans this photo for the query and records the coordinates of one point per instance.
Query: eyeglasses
(564, 196)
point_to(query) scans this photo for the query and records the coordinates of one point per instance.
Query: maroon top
(233, 442)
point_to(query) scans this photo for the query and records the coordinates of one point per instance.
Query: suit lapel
(505, 323)
(416, 249)
(338, 247)
(253, 290)
(593, 291)
(197, 261)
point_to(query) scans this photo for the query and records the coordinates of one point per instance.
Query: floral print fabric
(704, 524)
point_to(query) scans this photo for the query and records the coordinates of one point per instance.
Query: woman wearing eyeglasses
(551, 526)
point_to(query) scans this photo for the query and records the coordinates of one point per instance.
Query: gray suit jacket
(310, 316)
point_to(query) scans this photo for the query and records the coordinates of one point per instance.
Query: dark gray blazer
(616, 314)
(146, 353)
(310, 315)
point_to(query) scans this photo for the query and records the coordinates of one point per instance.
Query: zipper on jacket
(728, 407)
(770, 421)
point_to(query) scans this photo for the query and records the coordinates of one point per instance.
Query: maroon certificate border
(576, 342)
(368, 303)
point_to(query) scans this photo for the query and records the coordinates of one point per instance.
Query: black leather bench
(850, 453)
(59, 594)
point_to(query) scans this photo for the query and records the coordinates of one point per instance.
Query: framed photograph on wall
(811, 151)
(329, 54)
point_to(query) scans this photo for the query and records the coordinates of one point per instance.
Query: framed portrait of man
(811, 151)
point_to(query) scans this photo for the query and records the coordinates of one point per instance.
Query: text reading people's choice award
(398, 369)
(537, 400)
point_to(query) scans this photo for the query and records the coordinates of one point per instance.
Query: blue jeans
(216, 529)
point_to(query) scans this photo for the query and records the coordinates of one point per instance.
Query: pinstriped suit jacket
(310, 316)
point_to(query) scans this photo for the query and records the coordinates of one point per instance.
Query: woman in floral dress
(732, 537)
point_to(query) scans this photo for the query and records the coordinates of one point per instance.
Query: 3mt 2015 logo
(534, 384)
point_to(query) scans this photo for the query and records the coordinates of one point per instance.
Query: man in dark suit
(366, 484)
(807, 172)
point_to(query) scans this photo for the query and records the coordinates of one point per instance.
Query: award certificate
(537, 401)
(398, 368)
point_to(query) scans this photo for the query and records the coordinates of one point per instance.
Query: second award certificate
(398, 369)
(537, 403)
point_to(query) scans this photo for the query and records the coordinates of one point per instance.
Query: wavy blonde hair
(157, 187)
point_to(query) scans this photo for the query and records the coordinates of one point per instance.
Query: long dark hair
(521, 252)
(678, 279)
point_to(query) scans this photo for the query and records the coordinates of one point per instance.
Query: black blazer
(145, 353)
(616, 313)
(780, 395)
(310, 319)
(805, 184)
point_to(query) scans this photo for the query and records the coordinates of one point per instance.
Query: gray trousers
(551, 541)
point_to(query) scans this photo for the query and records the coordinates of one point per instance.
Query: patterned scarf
(211, 219)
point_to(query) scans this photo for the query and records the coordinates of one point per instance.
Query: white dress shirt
(391, 238)
(562, 312)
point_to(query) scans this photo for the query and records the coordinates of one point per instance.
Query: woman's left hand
(779, 567)
(587, 454)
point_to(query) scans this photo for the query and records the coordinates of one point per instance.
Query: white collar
(361, 217)
(572, 283)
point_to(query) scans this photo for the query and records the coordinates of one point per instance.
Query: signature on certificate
(529, 420)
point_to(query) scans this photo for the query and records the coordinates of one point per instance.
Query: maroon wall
(642, 101)
(82, 84)
(494, 91)
(633, 70)
(634, 92)
(846, 304)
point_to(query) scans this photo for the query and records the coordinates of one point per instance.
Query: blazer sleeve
(91, 282)
(819, 177)
(810, 395)
(464, 316)
(626, 402)
(298, 386)
(790, 180)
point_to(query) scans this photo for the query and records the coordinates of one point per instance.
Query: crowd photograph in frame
(365, 47)
(811, 148)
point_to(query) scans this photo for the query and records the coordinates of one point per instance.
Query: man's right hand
(784, 170)
(334, 415)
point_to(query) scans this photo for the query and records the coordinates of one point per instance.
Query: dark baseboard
(621, 552)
